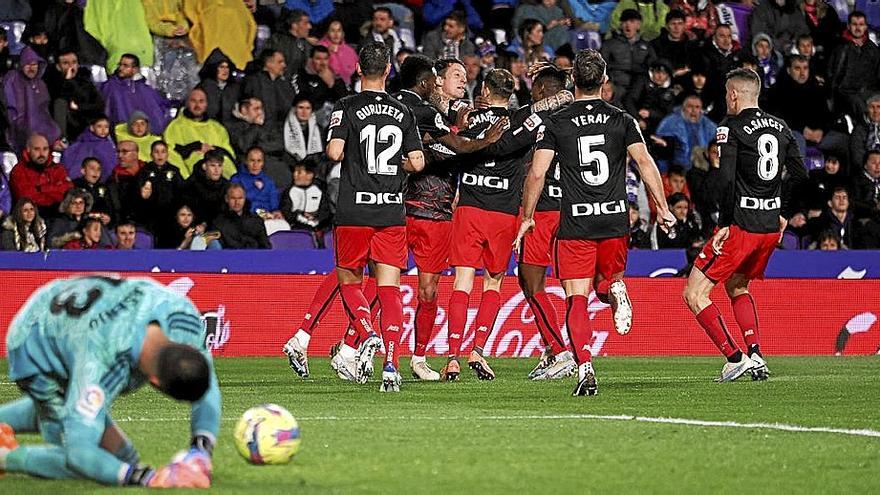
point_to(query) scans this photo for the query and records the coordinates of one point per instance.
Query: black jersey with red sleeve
(378, 132)
(590, 138)
(754, 148)
(431, 192)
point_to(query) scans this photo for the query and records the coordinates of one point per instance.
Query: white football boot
(760, 370)
(732, 371)
(297, 354)
(587, 384)
(390, 379)
(365, 354)
(540, 369)
(422, 371)
(344, 363)
(621, 307)
(562, 365)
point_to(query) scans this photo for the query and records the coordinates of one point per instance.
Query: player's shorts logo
(369, 198)
(748, 203)
(606, 208)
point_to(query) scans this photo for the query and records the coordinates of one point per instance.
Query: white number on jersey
(387, 134)
(593, 158)
(768, 156)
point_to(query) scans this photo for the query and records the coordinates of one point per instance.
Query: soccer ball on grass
(267, 434)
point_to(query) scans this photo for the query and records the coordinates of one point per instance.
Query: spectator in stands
(304, 204)
(828, 241)
(866, 133)
(126, 235)
(626, 53)
(137, 129)
(818, 60)
(90, 235)
(271, 86)
(294, 44)
(39, 178)
(167, 184)
(651, 98)
(689, 127)
(67, 34)
(512, 62)
(192, 134)
(382, 29)
(183, 231)
(686, 228)
(821, 182)
(701, 17)
(141, 204)
(823, 23)
(127, 90)
(318, 10)
(708, 187)
(474, 74)
(836, 218)
(343, 58)
(248, 129)
(450, 40)
(769, 59)
(123, 180)
(104, 202)
(302, 136)
(221, 89)
(854, 68)
(652, 15)
(224, 24)
(239, 228)
(5, 195)
(74, 210)
(639, 237)
(529, 43)
(175, 66)
(121, 28)
(36, 37)
(551, 15)
(319, 84)
(96, 142)
(715, 60)
(865, 188)
(23, 230)
(6, 61)
(27, 103)
(435, 11)
(673, 46)
(782, 20)
(259, 188)
(75, 100)
(204, 190)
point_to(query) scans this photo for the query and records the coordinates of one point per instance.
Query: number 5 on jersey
(593, 160)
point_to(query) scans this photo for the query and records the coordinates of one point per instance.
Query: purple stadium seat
(328, 240)
(142, 239)
(292, 239)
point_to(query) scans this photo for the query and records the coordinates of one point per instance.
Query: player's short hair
(589, 70)
(183, 372)
(500, 83)
(373, 57)
(415, 69)
(675, 14)
(551, 77)
(745, 76)
(442, 65)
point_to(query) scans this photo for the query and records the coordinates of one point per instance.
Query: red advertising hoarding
(253, 315)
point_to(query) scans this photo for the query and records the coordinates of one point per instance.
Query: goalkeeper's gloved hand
(179, 475)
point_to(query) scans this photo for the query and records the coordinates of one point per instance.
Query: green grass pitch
(517, 436)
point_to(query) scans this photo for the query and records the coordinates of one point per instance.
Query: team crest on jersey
(532, 122)
(90, 402)
(335, 118)
(721, 134)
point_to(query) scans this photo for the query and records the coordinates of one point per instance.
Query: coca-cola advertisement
(253, 315)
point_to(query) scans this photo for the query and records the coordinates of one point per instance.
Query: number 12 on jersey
(385, 135)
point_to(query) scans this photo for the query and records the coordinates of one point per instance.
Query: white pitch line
(596, 417)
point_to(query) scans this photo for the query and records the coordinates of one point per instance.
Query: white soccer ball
(267, 434)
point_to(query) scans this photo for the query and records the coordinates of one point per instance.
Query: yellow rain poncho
(224, 24)
(183, 131)
(121, 27)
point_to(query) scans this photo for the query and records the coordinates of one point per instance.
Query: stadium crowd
(202, 122)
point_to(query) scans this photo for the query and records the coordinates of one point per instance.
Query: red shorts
(482, 238)
(537, 245)
(584, 258)
(743, 252)
(355, 244)
(429, 242)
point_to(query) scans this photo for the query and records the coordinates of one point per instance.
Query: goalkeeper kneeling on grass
(79, 343)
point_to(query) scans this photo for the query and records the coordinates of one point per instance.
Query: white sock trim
(303, 338)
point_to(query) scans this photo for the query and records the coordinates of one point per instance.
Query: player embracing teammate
(590, 139)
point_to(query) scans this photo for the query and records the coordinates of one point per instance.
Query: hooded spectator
(221, 88)
(96, 142)
(127, 90)
(74, 210)
(769, 60)
(27, 102)
(23, 230)
(137, 129)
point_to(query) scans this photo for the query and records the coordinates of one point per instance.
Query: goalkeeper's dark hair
(183, 372)
(500, 83)
(589, 70)
(415, 69)
(551, 77)
(373, 57)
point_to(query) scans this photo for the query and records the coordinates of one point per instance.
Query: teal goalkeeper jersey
(88, 332)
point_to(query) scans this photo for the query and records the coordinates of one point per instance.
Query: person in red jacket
(39, 178)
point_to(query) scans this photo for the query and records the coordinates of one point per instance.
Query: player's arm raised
(463, 145)
(653, 182)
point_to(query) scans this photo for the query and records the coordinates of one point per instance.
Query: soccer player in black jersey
(429, 196)
(755, 148)
(376, 139)
(590, 139)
